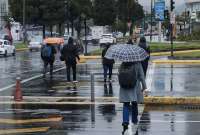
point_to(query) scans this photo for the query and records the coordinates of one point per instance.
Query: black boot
(125, 127)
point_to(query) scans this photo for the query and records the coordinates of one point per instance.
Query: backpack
(46, 51)
(127, 76)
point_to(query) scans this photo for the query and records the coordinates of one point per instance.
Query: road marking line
(56, 98)
(12, 121)
(27, 80)
(164, 121)
(149, 79)
(24, 130)
(58, 103)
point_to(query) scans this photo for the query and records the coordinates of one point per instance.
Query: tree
(104, 12)
(84, 13)
(42, 12)
(129, 10)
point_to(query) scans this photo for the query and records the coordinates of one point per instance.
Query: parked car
(6, 48)
(35, 43)
(107, 39)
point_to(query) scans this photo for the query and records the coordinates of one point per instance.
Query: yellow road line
(152, 54)
(12, 121)
(176, 61)
(23, 130)
(175, 52)
(172, 100)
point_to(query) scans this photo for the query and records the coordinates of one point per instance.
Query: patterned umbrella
(126, 53)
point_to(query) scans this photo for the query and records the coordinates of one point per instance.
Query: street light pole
(151, 20)
(68, 17)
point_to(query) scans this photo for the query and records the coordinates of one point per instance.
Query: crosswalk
(43, 121)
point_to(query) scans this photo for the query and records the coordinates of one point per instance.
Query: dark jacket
(106, 61)
(70, 53)
(145, 62)
(52, 57)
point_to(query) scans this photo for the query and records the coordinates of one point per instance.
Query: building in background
(193, 8)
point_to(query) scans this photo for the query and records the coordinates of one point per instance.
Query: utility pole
(185, 21)
(151, 20)
(24, 19)
(171, 25)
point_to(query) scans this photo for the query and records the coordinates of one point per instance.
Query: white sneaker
(75, 81)
(134, 128)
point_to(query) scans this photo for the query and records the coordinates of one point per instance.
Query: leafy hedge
(163, 47)
(193, 36)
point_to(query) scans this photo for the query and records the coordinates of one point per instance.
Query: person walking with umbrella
(143, 44)
(69, 54)
(107, 64)
(131, 76)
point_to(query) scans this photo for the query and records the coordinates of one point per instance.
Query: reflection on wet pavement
(25, 64)
(172, 120)
(175, 80)
(67, 119)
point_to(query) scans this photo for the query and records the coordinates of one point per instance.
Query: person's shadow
(108, 111)
(108, 90)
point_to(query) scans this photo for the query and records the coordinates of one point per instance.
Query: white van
(6, 48)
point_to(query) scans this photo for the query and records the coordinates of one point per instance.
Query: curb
(176, 61)
(102, 100)
(175, 52)
(172, 100)
(22, 49)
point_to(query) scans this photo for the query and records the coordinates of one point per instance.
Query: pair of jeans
(68, 68)
(134, 109)
(107, 68)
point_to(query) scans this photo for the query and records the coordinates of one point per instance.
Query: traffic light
(172, 5)
(166, 14)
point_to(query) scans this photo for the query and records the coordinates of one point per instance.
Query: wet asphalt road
(173, 80)
(101, 120)
(25, 64)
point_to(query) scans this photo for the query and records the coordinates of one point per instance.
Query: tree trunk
(43, 31)
(51, 30)
(60, 29)
(72, 28)
(79, 28)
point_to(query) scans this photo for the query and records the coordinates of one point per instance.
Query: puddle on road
(175, 80)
